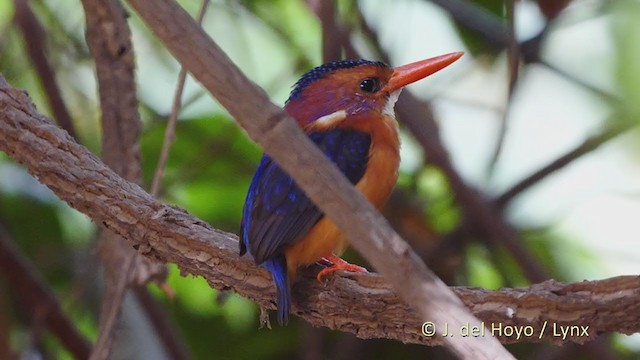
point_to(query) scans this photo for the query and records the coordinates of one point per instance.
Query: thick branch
(285, 142)
(362, 303)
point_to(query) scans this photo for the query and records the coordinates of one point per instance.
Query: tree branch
(331, 49)
(513, 52)
(34, 36)
(363, 304)
(170, 130)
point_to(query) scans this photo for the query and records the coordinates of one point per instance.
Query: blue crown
(322, 71)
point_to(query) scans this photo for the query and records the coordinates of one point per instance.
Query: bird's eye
(370, 85)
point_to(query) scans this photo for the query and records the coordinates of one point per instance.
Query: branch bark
(363, 304)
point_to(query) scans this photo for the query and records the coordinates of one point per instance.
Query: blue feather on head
(325, 69)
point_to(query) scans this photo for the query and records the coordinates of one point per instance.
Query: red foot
(335, 263)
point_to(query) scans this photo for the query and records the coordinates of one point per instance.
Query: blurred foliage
(211, 164)
(442, 211)
(626, 34)
(492, 10)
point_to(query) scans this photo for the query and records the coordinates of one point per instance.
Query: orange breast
(376, 184)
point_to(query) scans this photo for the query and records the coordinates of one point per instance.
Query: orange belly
(376, 184)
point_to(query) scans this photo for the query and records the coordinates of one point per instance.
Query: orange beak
(407, 74)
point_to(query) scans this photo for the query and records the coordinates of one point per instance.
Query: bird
(346, 107)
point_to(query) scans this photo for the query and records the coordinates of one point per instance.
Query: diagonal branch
(588, 145)
(363, 304)
(34, 35)
(172, 121)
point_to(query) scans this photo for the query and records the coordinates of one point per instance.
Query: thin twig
(588, 145)
(610, 97)
(157, 316)
(115, 291)
(336, 35)
(514, 64)
(170, 131)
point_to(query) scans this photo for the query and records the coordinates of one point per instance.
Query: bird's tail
(278, 268)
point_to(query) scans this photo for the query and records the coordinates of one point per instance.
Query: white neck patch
(391, 102)
(331, 120)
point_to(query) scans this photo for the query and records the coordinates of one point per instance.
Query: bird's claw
(334, 263)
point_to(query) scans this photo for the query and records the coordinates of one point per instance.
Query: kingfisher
(346, 108)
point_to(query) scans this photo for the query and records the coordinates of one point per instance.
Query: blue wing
(277, 212)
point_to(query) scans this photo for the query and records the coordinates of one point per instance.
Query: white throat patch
(331, 120)
(391, 102)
